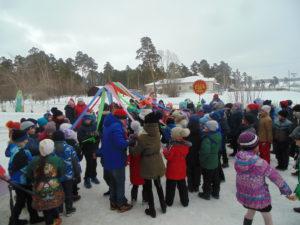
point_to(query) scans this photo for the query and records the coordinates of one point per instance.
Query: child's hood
(245, 161)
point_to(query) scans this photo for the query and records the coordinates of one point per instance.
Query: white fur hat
(212, 125)
(266, 108)
(144, 113)
(178, 132)
(46, 147)
(136, 127)
(65, 126)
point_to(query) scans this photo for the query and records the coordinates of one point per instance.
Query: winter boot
(124, 208)
(57, 221)
(106, 193)
(87, 183)
(247, 221)
(76, 198)
(113, 206)
(204, 196)
(17, 222)
(70, 209)
(297, 210)
(95, 180)
(150, 212)
(36, 219)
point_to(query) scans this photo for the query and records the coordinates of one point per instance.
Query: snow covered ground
(93, 208)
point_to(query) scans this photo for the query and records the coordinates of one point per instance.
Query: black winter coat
(70, 113)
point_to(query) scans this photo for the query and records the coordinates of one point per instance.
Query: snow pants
(183, 192)
(211, 182)
(282, 151)
(91, 163)
(193, 177)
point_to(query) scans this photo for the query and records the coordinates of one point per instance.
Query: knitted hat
(80, 99)
(42, 121)
(153, 117)
(32, 120)
(65, 126)
(284, 104)
(283, 113)
(296, 108)
(249, 118)
(50, 128)
(56, 112)
(253, 107)
(178, 132)
(26, 125)
(248, 140)
(267, 102)
(46, 147)
(19, 136)
(212, 125)
(88, 117)
(266, 108)
(295, 133)
(58, 136)
(70, 135)
(120, 114)
(258, 101)
(13, 125)
(144, 112)
(290, 102)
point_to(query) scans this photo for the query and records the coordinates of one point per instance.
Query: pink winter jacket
(252, 189)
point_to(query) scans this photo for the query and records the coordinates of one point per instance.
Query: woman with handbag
(45, 172)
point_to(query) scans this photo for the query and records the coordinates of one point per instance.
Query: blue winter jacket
(10, 149)
(114, 144)
(67, 154)
(33, 146)
(18, 163)
(166, 131)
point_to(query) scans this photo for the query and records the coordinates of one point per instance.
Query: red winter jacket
(176, 163)
(135, 170)
(79, 109)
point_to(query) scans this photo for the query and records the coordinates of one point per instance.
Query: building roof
(190, 79)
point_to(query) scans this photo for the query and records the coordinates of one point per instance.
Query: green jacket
(297, 191)
(48, 189)
(209, 151)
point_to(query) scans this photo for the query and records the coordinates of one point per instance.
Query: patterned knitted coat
(252, 189)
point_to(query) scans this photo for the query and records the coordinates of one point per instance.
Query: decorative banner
(200, 87)
(101, 108)
(135, 97)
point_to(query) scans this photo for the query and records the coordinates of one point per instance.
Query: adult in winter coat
(45, 172)
(88, 138)
(209, 160)
(248, 123)
(32, 144)
(265, 133)
(72, 168)
(286, 106)
(235, 122)
(249, 166)
(70, 111)
(113, 149)
(152, 165)
(19, 159)
(192, 159)
(175, 155)
(282, 127)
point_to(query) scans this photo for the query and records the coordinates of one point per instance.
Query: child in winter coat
(166, 131)
(45, 172)
(11, 126)
(282, 127)
(134, 165)
(88, 138)
(32, 145)
(252, 189)
(209, 160)
(72, 167)
(19, 160)
(176, 166)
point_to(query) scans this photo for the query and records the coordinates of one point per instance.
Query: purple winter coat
(252, 189)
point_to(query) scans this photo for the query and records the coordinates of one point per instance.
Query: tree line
(43, 76)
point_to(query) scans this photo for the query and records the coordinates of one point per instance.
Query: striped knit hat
(248, 141)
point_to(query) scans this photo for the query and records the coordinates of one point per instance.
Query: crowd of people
(45, 155)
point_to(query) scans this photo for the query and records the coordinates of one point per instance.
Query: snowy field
(93, 208)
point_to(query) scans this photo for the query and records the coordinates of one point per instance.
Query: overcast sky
(260, 37)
